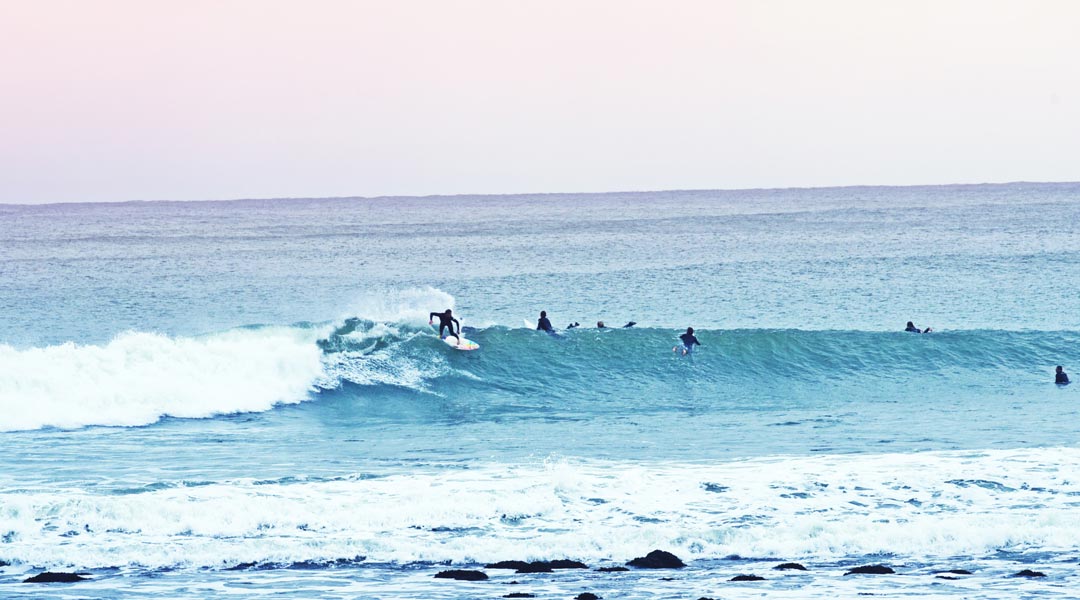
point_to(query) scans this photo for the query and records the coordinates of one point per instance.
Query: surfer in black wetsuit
(688, 341)
(1060, 377)
(446, 321)
(543, 324)
(911, 328)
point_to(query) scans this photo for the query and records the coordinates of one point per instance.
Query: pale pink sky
(209, 99)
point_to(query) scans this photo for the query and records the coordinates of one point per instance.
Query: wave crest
(139, 377)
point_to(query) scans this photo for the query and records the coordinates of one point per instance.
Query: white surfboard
(453, 342)
(463, 344)
(530, 324)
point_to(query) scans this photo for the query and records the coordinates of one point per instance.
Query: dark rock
(519, 595)
(508, 564)
(871, 570)
(462, 575)
(612, 569)
(4, 563)
(587, 596)
(1029, 573)
(946, 577)
(789, 567)
(568, 564)
(540, 566)
(704, 598)
(657, 559)
(49, 577)
(956, 572)
(515, 564)
(747, 578)
(241, 566)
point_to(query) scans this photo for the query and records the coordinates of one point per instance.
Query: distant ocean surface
(244, 399)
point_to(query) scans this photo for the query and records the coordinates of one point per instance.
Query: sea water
(244, 399)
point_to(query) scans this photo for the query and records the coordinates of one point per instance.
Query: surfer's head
(448, 312)
(543, 314)
(1059, 369)
(910, 324)
(690, 330)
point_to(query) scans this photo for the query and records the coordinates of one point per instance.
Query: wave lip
(139, 377)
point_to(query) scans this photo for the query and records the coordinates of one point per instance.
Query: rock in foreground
(871, 570)
(50, 577)
(657, 559)
(462, 575)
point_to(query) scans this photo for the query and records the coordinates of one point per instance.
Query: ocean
(245, 399)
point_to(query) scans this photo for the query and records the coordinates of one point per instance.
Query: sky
(116, 100)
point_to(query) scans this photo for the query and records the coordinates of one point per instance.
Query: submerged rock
(871, 570)
(657, 559)
(1028, 573)
(539, 566)
(50, 577)
(789, 567)
(747, 578)
(612, 569)
(587, 596)
(462, 575)
(508, 564)
(519, 595)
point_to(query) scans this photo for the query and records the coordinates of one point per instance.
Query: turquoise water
(190, 387)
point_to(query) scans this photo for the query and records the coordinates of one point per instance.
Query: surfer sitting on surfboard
(688, 341)
(446, 321)
(544, 324)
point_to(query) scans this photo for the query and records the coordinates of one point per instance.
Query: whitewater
(215, 398)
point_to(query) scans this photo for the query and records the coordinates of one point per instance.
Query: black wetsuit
(913, 329)
(544, 325)
(688, 341)
(1061, 378)
(446, 322)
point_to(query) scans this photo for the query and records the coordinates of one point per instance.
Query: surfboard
(453, 341)
(464, 345)
(530, 324)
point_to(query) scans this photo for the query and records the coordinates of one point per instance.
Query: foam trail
(138, 377)
(924, 507)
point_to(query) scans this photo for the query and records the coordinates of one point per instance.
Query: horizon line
(562, 193)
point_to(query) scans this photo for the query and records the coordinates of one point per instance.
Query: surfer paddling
(446, 321)
(911, 328)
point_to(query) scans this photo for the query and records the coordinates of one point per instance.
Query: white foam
(138, 378)
(410, 306)
(924, 506)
